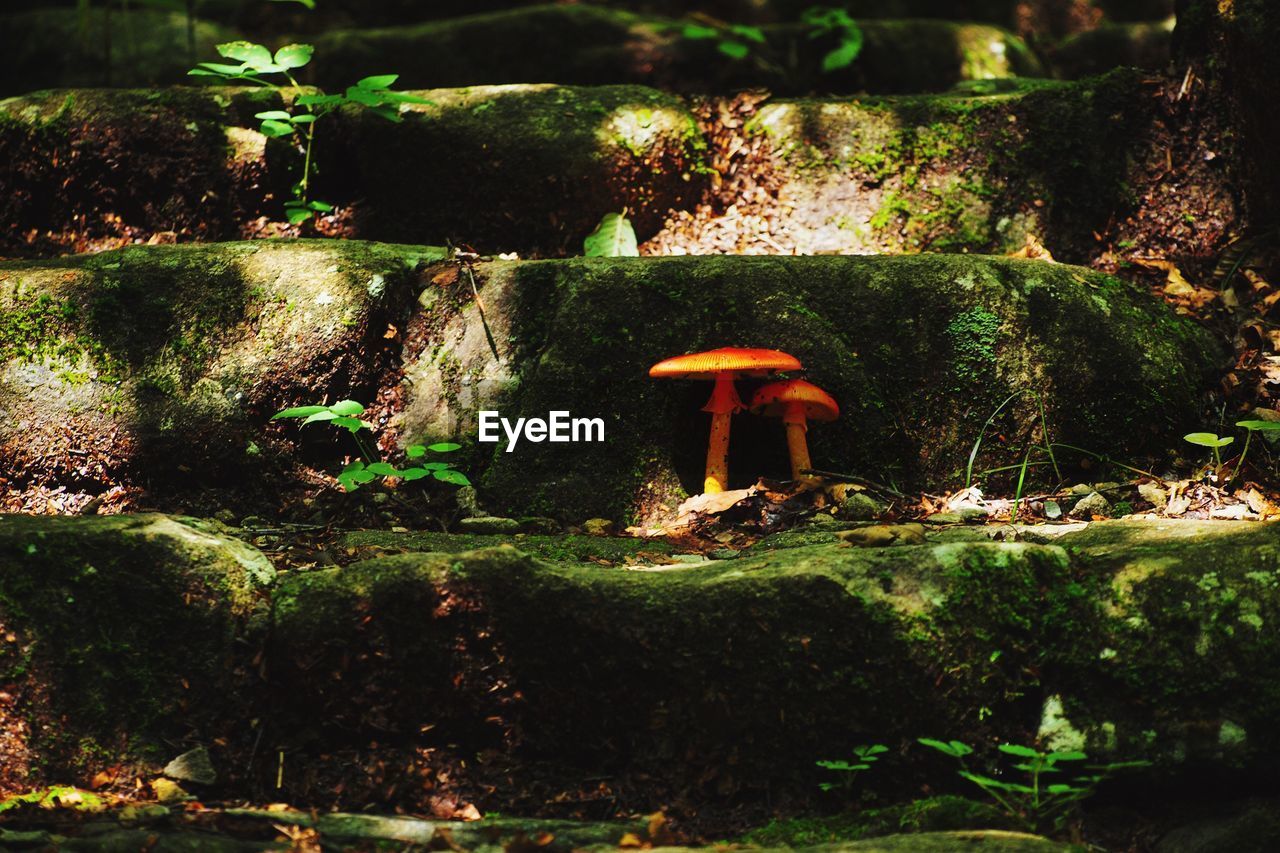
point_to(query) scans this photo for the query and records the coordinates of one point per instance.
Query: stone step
(532, 169)
(589, 45)
(583, 44)
(1129, 640)
(159, 366)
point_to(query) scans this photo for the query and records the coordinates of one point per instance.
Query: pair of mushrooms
(794, 400)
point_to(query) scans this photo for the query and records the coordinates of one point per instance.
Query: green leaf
(274, 115)
(834, 765)
(300, 412)
(613, 238)
(352, 424)
(843, 56)
(294, 55)
(1207, 439)
(955, 748)
(415, 451)
(1260, 426)
(444, 447)
(874, 749)
(1064, 789)
(254, 55)
(382, 468)
(221, 69)
(276, 129)
(409, 474)
(320, 206)
(305, 118)
(326, 415)
(749, 33)
(448, 475)
(1020, 751)
(347, 407)
(296, 215)
(699, 32)
(733, 49)
(378, 81)
(1071, 755)
(319, 100)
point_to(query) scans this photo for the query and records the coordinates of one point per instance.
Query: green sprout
(1210, 440)
(346, 415)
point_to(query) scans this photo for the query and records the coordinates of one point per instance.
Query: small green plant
(258, 66)
(346, 415)
(1037, 802)
(1210, 440)
(735, 41)
(863, 757)
(613, 238)
(1251, 427)
(834, 21)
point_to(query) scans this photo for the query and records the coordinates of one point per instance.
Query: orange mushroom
(723, 365)
(797, 402)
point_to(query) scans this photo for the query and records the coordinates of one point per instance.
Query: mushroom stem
(797, 441)
(717, 474)
(723, 404)
(798, 446)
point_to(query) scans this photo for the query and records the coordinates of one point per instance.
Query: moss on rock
(118, 634)
(554, 159)
(139, 363)
(918, 350)
(977, 170)
(553, 549)
(593, 45)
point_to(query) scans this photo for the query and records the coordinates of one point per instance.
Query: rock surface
(918, 349)
(1128, 639)
(591, 45)
(163, 359)
(532, 169)
(121, 635)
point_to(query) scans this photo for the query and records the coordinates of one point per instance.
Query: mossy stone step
(592, 45)
(129, 366)
(1127, 639)
(532, 168)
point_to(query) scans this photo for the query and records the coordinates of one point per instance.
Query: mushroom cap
(778, 398)
(734, 360)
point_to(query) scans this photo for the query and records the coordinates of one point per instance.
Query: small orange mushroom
(723, 365)
(797, 402)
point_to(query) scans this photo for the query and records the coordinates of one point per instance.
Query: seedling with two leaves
(258, 66)
(346, 415)
(1216, 442)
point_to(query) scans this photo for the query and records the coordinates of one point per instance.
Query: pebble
(598, 527)
(1091, 505)
(860, 507)
(489, 524)
(192, 766)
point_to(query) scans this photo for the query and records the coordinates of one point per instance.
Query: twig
(484, 321)
(853, 478)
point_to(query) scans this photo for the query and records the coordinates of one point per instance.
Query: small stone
(1153, 494)
(226, 516)
(883, 535)
(538, 524)
(971, 512)
(944, 518)
(724, 554)
(1091, 505)
(859, 506)
(1082, 489)
(489, 524)
(1052, 511)
(598, 527)
(469, 502)
(168, 791)
(192, 766)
